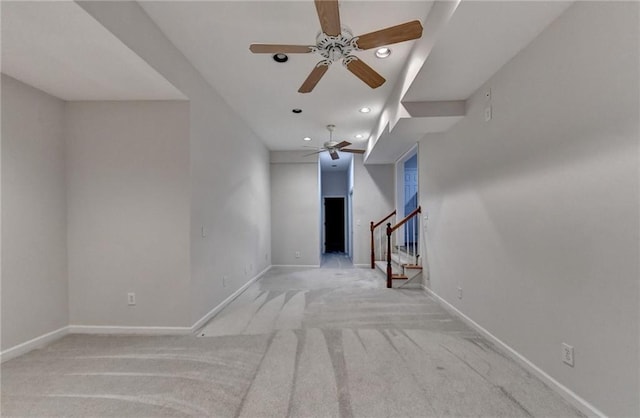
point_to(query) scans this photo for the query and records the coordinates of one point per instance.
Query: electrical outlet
(459, 292)
(297, 254)
(203, 231)
(131, 298)
(567, 354)
(224, 281)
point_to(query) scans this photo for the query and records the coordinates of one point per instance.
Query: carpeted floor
(323, 342)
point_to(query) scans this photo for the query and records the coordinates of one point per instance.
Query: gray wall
(334, 183)
(373, 194)
(34, 234)
(295, 209)
(128, 212)
(535, 213)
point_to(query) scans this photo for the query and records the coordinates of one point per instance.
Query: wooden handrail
(374, 226)
(390, 230)
(404, 221)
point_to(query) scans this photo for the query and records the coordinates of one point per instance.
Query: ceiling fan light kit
(337, 43)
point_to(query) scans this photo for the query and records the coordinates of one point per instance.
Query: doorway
(411, 199)
(334, 224)
(407, 198)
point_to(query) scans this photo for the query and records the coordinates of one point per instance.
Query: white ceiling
(215, 36)
(58, 48)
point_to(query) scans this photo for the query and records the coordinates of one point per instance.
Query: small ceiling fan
(333, 147)
(336, 42)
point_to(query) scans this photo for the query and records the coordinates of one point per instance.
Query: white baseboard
(42, 340)
(570, 396)
(213, 312)
(122, 330)
(32, 344)
(309, 266)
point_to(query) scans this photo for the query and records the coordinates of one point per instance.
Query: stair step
(412, 266)
(399, 277)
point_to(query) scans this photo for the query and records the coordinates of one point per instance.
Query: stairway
(404, 274)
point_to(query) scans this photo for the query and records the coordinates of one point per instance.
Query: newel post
(389, 271)
(373, 251)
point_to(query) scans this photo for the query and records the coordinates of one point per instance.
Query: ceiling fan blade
(366, 73)
(329, 16)
(279, 49)
(334, 154)
(392, 35)
(343, 144)
(313, 78)
(353, 151)
(314, 153)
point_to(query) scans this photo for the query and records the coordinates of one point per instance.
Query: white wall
(34, 252)
(373, 199)
(535, 214)
(229, 166)
(295, 209)
(128, 212)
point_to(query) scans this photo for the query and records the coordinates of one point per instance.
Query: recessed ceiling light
(296, 110)
(365, 110)
(306, 138)
(280, 57)
(359, 136)
(383, 52)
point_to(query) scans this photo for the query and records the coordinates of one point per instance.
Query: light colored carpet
(298, 343)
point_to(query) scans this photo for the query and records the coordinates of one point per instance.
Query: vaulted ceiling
(59, 48)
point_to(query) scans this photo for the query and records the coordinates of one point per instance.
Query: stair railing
(411, 247)
(378, 237)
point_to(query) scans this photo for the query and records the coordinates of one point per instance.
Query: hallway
(336, 260)
(298, 342)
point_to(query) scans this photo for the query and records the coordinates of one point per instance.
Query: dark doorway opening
(334, 224)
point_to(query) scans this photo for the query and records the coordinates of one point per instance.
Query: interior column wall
(373, 199)
(534, 214)
(34, 214)
(230, 199)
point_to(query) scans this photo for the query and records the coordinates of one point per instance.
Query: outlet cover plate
(567, 354)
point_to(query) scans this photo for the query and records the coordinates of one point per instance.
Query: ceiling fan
(336, 42)
(333, 147)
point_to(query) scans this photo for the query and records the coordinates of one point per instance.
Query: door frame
(399, 186)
